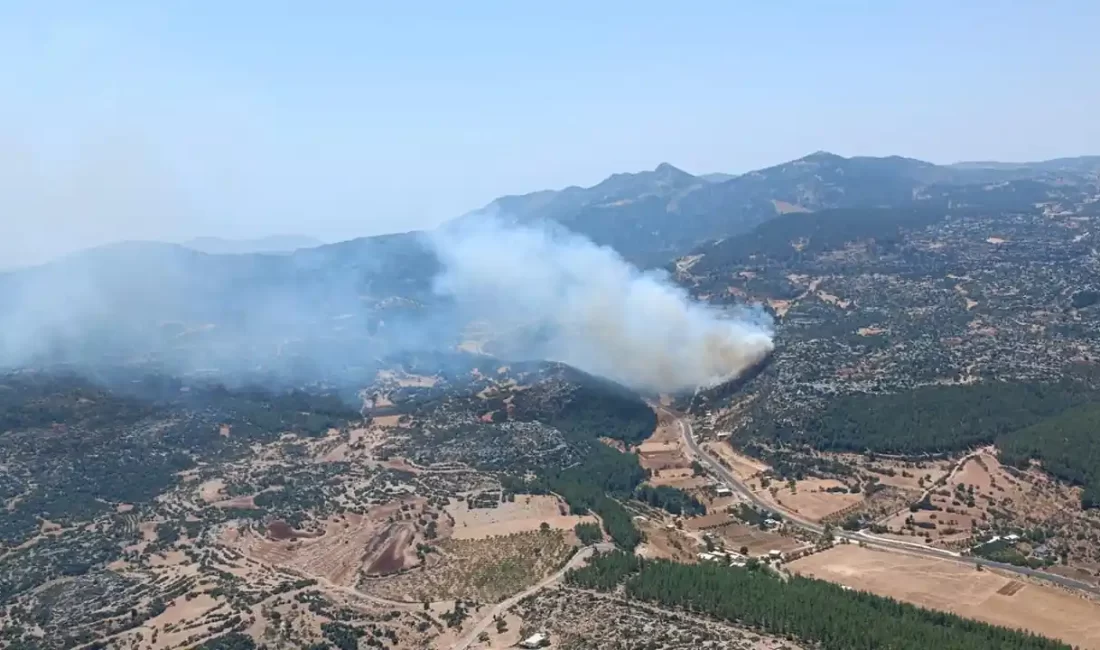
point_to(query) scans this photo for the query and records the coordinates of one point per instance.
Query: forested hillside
(1067, 445)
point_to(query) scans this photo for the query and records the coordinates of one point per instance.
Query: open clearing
(958, 588)
(668, 543)
(759, 542)
(349, 544)
(526, 513)
(810, 498)
(665, 448)
(742, 466)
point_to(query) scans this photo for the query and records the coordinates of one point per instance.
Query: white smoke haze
(337, 312)
(592, 309)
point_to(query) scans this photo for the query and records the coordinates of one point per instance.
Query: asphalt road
(866, 538)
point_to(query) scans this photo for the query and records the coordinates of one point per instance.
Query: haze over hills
(269, 244)
(653, 215)
(362, 298)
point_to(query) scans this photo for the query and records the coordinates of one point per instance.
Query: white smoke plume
(593, 310)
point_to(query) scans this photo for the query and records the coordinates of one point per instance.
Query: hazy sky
(167, 120)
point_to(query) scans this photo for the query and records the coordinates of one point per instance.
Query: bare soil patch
(347, 546)
(811, 498)
(759, 542)
(394, 553)
(958, 588)
(665, 448)
(667, 543)
(527, 513)
(678, 477)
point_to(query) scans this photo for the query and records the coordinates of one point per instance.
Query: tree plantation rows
(820, 613)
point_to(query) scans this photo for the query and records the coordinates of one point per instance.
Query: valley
(914, 457)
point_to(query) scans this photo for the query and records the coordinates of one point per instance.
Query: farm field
(948, 586)
(810, 498)
(527, 513)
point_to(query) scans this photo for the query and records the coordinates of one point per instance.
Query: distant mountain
(651, 216)
(270, 244)
(341, 305)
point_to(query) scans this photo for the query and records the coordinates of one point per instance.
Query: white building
(534, 641)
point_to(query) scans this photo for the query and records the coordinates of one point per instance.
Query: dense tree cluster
(588, 533)
(592, 408)
(586, 488)
(817, 612)
(930, 419)
(670, 499)
(1068, 446)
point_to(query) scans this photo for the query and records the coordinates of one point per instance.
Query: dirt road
(500, 608)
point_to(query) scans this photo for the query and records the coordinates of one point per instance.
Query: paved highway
(866, 538)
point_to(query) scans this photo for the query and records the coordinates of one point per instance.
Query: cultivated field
(958, 588)
(678, 477)
(759, 542)
(810, 498)
(667, 543)
(665, 448)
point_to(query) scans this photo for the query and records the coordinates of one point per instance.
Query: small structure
(536, 640)
(775, 554)
(723, 491)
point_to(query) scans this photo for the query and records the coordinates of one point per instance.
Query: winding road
(864, 537)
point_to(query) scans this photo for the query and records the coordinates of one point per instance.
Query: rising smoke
(584, 305)
(337, 313)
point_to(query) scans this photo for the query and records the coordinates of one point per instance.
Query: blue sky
(168, 120)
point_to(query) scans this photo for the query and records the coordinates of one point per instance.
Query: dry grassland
(485, 570)
(1029, 496)
(526, 513)
(810, 500)
(759, 542)
(666, 543)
